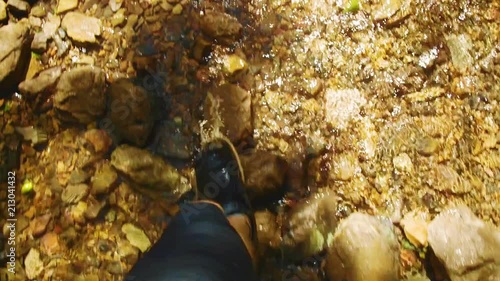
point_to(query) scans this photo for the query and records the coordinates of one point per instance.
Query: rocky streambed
(368, 132)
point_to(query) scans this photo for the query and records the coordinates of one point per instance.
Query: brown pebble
(123, 66)
(50, 243)
(99, 139)
(39, 224)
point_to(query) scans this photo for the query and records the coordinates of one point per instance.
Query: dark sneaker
(219, 177)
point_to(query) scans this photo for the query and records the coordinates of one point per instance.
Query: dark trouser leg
(199, 244)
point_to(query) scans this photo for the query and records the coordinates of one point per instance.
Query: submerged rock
(415, 226)
(468, 247)
(74, 193)
(264, 173)
(363, 248)
(81, 27)
(38, 11)
(267, 229)
(136, 237)
(99, 139)
(103, 179)
(221, 26)
(33, 264)
(427, 146)
(44, 81)
(50, 243)
(230, 105)
(94, 208)
(386, 9)
(66, 5)
(39, 224)
(80, 94)
(14, 54)
(130, 111)
(3, 10)
(345, 166)
(148, 170)
(233, 63)
(342, 106)
(447, 179)
(402, 163)
(171, 141)
(460, 47)
(78, 176)
(311, 224)
(48, 31)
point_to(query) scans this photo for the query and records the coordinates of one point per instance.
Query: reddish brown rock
(50, 243)
(99, 139)
(39, 224)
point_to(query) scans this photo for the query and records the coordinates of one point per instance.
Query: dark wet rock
(363, 248)
(220, 26)
(81, 27)
(74, 193)
(171, 141)
(148, 170)
(3, 10)
(311, 224)
(104, 179)
(14, 54)
(130, 111)
(44, 81)
(80, 94)
(234, 110)
(19, 6)
(473, 254)
(100, 140)
(201, 49)
(264, 173)
(78, 176)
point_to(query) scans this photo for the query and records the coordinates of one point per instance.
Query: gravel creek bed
(368, 132)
